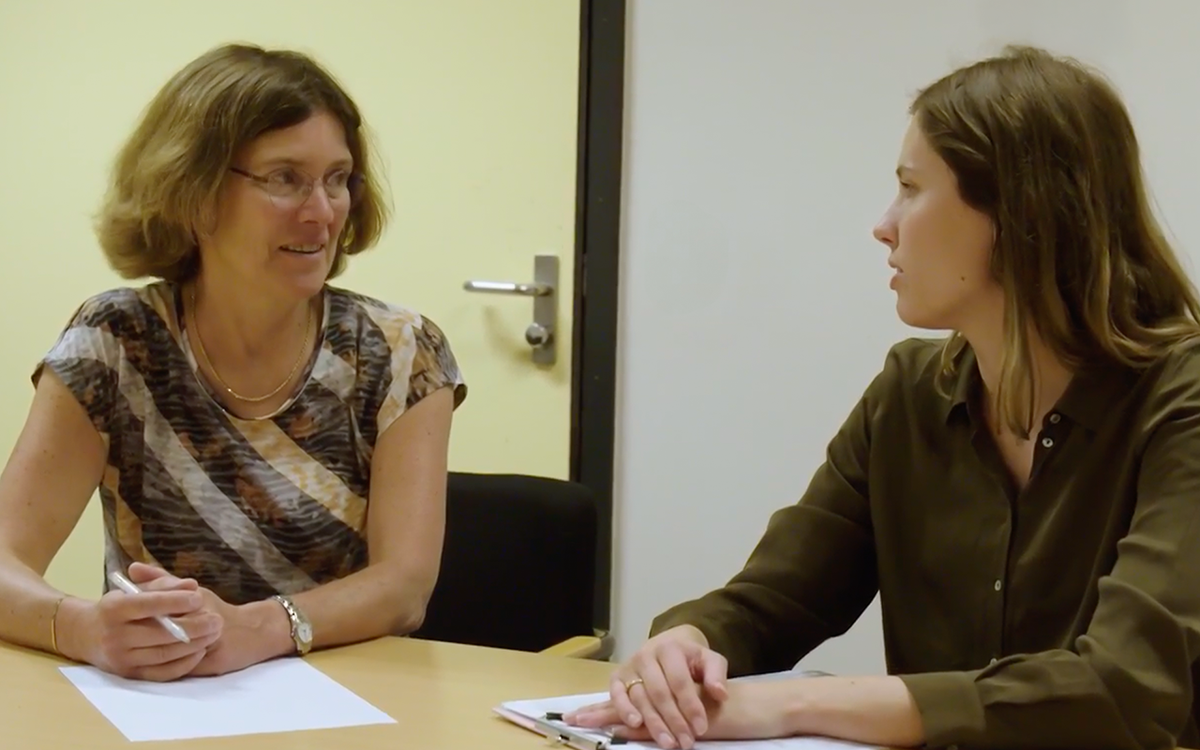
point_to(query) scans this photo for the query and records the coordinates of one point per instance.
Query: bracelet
(54, 628)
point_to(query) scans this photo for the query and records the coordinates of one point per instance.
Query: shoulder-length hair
(1045, 147)
(166, 179)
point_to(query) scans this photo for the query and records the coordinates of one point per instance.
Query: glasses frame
(353, 186)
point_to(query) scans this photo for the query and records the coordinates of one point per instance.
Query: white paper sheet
(518, 711)
(277, 696)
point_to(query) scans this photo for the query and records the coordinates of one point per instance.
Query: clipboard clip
(562, 735)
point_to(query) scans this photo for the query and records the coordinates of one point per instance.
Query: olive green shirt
(1066, 614)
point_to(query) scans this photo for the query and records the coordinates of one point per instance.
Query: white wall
(762, 135)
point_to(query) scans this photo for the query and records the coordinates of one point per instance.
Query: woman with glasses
(270, 450)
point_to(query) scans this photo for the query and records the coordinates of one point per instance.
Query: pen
(129, 587)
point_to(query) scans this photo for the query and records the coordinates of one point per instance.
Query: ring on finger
(630, 683)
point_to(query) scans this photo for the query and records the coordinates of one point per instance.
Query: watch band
(301, 630)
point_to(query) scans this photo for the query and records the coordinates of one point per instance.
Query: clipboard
(541, 717)
(545, 721)
(578, 739)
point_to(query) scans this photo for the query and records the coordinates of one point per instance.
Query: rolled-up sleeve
(1127, 682)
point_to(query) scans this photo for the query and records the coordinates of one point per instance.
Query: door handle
(544, 291)
(508, 287)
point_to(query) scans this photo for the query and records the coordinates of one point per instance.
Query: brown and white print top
(249, 508)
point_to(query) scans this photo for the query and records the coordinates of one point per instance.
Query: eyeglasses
(289, 188)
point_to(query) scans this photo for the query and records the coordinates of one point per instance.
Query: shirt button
(1055, 418)
(1048, 442)
(997, 585)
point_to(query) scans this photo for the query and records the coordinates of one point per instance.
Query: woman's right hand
(663, 687)
(119, 635)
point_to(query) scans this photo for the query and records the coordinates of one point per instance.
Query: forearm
(871, 710)
(27, 605)
(808, 579)
(375, 601)
(755, 628)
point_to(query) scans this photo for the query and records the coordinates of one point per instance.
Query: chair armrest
(597, 647)
(579, 647)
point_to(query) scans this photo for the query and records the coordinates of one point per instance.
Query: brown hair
(167, 177)
(1045, 147)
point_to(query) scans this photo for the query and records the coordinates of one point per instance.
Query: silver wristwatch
(301, 627)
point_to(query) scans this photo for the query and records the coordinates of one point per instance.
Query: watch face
(304, 632)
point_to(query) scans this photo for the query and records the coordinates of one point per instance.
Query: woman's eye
(285, 177)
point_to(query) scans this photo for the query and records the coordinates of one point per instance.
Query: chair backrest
(519, 562)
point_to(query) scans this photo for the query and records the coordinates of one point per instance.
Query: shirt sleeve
(813, 572)
(422, 363)
(86, 357)
(1127, 682)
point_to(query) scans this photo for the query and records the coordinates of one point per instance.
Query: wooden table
(441, 696)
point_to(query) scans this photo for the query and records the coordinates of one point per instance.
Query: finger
(654, 701)
(685, 692)
(588, 708)
(215, 663)
(155, 603)
(169, 671)
(167, 653)
(715, 675)
(206, 667)
(633, 734)
(150, 633)
(591, 708)
(139, 572)
(169, 583)
(153, 578)
(200, 624)
(592, 717)
(621, 702)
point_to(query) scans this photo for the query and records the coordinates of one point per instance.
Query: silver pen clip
(561, 734)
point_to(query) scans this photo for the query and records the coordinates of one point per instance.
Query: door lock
(537, 336)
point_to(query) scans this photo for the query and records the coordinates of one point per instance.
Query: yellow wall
(473, 103)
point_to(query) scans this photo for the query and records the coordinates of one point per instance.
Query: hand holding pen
(118, 579)
(155, 629)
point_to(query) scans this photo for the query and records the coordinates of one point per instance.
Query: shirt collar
(1087, 400)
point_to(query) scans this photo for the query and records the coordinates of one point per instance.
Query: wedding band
(630, 683)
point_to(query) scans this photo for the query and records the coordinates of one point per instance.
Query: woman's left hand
(753, 710)
(244, 640)
(241, 643)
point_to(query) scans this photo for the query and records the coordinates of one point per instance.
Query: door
(474, 108)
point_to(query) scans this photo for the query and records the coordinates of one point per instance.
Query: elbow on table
(407, 612)
(407, 620)
(400, 598)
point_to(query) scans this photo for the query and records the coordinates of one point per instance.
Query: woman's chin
(306, 275)
(915, 317)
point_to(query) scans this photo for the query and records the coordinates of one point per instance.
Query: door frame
(597, 267)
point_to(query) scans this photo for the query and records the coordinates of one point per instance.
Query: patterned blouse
(249, 508)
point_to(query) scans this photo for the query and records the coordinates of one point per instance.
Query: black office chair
(518, 567)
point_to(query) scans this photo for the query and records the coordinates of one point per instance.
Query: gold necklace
(212, 368)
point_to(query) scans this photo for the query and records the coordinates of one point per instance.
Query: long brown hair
(166, 178)
(1045, 147)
